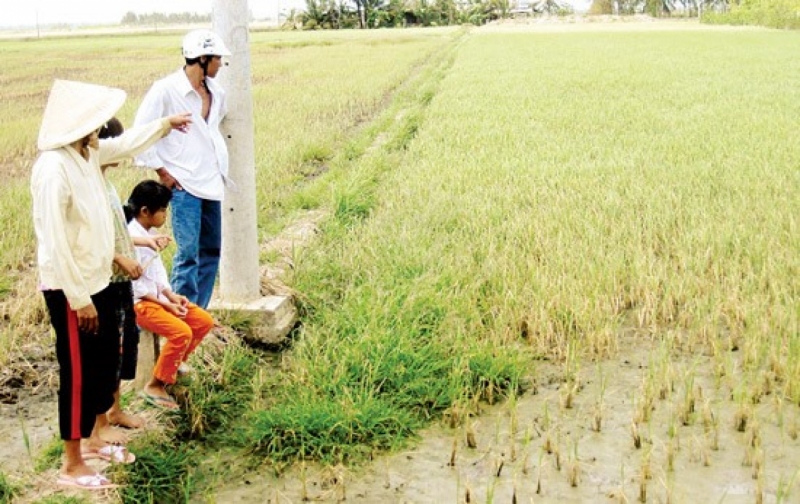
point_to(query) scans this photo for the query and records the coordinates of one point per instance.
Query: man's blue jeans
(197, 226)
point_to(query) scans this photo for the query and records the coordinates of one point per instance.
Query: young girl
(125, 269)
(158, 308)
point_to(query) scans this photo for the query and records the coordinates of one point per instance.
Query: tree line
(335, 14)
(396, 13)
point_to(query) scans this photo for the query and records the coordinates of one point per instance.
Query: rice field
(569, 258)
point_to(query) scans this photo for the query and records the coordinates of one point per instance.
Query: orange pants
(182, 335)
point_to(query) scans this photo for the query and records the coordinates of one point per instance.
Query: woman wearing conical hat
(75, 237)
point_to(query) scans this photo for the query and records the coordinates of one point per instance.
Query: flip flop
(111, 453)
(92, 482)
(165, 403)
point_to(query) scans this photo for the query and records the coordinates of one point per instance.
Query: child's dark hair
(147, 194)
(112, 128)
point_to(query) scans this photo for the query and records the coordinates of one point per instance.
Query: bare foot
(92, 444)
(103, 434)
(111, 435)
(77, 470)
(126, 420)
(158, 390)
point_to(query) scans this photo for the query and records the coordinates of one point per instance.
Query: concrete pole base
(267, 320)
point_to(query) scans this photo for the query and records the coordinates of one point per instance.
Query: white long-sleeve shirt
(154, 278)
(72, 215)
(198, 160)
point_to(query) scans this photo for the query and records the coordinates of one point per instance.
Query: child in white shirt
(158, 309)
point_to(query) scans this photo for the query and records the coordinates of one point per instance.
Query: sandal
(115, 454)
(165, 403)
(89, 482)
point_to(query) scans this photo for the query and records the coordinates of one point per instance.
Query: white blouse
(72, 214)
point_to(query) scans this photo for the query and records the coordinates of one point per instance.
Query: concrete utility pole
(240, 275)
(239, 270)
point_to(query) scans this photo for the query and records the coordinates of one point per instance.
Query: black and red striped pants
(88, 363)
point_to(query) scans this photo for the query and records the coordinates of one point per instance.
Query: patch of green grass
(50, 456)
(6, 287)
(163, 472)
(331, 429)
(316, 154)
(63, 499)
(8, 489)
(217, 395)
(268, 257)
(353, 206)
(241, 321)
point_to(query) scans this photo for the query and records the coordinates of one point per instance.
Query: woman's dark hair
(112, 128)
(147, 194)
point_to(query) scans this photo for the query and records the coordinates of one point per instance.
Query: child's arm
(174, 308)
(155, 242)
(131, 267)
(175, 297)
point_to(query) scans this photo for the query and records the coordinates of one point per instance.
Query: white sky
(18, 13)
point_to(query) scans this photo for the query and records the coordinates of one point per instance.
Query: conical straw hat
(75, 109)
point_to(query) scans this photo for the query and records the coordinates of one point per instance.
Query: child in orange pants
(159, 309)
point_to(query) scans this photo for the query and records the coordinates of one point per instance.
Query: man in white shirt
(194, 166)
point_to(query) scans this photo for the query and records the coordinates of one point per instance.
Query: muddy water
(536, 449)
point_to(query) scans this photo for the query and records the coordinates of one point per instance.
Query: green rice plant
(784, 488)
(686, 410)
(598, 409)
(492, 485)
(573, 465)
